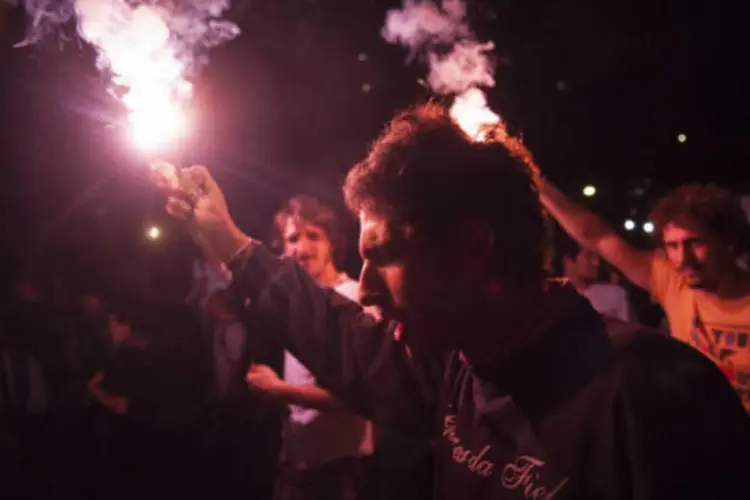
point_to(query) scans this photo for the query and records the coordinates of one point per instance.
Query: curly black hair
(708, 208)
(424, 170)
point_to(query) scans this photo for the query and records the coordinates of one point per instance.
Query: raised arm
(592, 233)
(263, 379)
(350, 354)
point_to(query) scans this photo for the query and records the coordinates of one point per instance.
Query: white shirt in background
(611, 301)
(311, 437)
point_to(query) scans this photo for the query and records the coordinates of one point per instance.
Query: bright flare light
(154, 127)
(681, 138)
(461, 68)
(471, 112)
(648, 227)
(629, 225)
(150, 49)
(135, 44)
(589, 191)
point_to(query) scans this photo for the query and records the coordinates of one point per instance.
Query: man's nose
(298, 250)
(304, 246)
(682, 256)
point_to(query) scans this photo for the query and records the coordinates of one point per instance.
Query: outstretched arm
(350, 354)
(263, 379)
(592, 233)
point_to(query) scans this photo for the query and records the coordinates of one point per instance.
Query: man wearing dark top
(126, 385)
(536, 400)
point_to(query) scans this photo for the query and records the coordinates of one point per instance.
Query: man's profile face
(695, 255)
(409, 283)
(586, 265)
(309, 245)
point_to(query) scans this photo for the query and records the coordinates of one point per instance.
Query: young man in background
(696, 275)
(325, 446)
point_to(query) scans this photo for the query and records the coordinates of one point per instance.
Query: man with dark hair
(125, 385)
(696, 276)
(583, 268)
(308, 211)
(535, 399)
(325, 445)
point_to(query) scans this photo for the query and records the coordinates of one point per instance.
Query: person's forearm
(308, 396)
(583, 226)
(349, 352)
(227, 242)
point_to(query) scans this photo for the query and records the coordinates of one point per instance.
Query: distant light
(681, 138)
(153, 233)
(648, 227)
(561, 85)
(362, 57)
(589, 191)
(629, 225)
(366, 87)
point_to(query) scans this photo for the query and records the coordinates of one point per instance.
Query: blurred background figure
(583, 268)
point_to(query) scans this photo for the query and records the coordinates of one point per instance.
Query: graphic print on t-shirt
(727, 346)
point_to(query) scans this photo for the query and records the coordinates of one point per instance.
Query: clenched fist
(194, 197)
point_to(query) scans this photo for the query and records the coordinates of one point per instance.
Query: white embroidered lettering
(519, 473)
(524, 474)
(480, 466)
(460, 454)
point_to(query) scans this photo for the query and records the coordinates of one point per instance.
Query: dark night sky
(600, 91)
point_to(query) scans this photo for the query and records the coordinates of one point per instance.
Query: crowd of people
(469, 360)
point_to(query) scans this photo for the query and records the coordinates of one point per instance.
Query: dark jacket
(579, 414)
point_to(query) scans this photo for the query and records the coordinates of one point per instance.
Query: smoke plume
(459, 64)
(150, 48)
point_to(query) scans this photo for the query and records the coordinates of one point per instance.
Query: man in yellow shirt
(696, 275)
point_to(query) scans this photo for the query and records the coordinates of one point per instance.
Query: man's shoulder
(658, 367)
(636, 343)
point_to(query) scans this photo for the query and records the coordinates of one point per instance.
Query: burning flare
(151, 49)
(459, 64)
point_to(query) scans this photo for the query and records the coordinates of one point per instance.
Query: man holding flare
(536, 399)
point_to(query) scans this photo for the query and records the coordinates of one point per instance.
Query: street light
(629, 225)
(589, 191)
(648, 227)
(153, 233)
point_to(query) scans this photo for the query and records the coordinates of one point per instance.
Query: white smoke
(151, 49)
(459, 64)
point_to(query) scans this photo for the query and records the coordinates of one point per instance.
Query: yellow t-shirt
(719, 328)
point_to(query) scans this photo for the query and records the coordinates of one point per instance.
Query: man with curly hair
(534, 398)
(696, 275)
